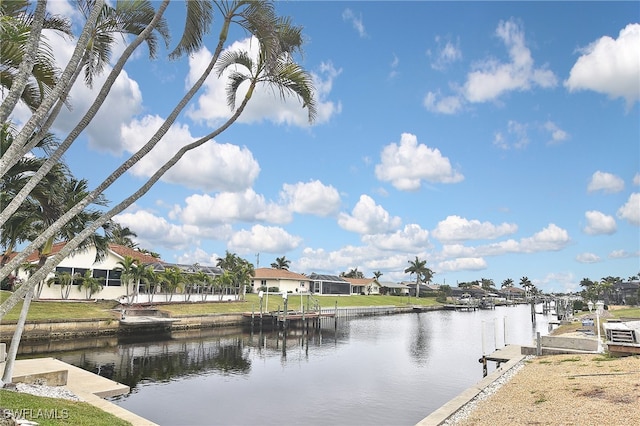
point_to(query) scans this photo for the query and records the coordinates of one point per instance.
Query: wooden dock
(461, 307)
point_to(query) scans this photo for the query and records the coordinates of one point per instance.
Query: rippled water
(385, 370)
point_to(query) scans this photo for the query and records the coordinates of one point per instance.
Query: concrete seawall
(72, 329)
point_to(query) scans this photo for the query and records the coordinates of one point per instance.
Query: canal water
(382, 370)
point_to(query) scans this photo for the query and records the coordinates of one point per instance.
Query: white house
(282, 279)
(363, 285)
(82, 260)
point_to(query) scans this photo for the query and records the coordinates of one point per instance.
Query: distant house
(282, 279)
(80, 261)
(394, 289)
(625, 290)
(329, 284)
(424, 288)
(474, 291)
(512, 293)
(363, 285)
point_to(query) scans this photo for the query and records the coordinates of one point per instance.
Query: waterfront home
(81, 261)
(281, 280)
(624, 293)
(329, 284)
(394, 289)
(363, 285)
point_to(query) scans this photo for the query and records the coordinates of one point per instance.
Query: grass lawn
(45, 310)
(625, 312)
(53, 411)
(253, 303)
(61, 310)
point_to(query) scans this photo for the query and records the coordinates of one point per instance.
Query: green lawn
(252, 303)
(626, 312)
(102, 309)
(53, 411)
(61, 310)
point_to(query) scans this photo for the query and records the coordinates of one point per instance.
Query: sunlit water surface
(383, 370)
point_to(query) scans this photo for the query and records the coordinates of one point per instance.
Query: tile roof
(282, 274)
(359, 281)
(115, 248)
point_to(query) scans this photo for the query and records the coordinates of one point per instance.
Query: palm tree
(27, 66)
(121, 235)
(64, 280)
(526, 285)
(90, 284)
(246, 12)
(129, 274)
(353, 273)
(281, 263)
(376, 279)
(419, 268)
(172, 280)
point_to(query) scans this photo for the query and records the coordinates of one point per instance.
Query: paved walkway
(89, 387)
(510, 353)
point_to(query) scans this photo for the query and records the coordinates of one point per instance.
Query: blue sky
(493, 139)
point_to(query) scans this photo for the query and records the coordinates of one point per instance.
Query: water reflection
(374, 370)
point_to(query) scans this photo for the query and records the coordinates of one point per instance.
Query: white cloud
(463, 264)
(636, 179)
(610, 66)
(556, 133)
(411, 238)
(265, 104)
(517, 136)
(456, 228)
(311, 198)
(349, 16)
(588, 258)
(622, 254)
(447, 54)
(261, 238)
(122, 103)
(443, 105)
(210, 167)
(406, 165)
(230, 207)
(599, 223)
(368, 218)
(154, 232)
(552, 238)
(606, 182)
(491, 78)
(630, 211)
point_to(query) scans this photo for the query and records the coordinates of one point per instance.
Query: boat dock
(507, 358)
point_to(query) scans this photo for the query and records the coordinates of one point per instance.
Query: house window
(78, 274)
(60, 270)
(114, 278)
(101, 274)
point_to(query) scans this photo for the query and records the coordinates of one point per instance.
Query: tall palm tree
(281, 263)
(20, 44)
(419, 269)
(122, 235)
(526, 284)
(246, 16)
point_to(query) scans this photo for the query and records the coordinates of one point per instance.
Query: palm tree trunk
(26, 66)
(15, 341)
(14, 153)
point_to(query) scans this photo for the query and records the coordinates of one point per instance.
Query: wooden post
(533, 312)
(538, 344)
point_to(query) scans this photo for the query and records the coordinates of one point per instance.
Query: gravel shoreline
(465, 411)
(569, 389)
